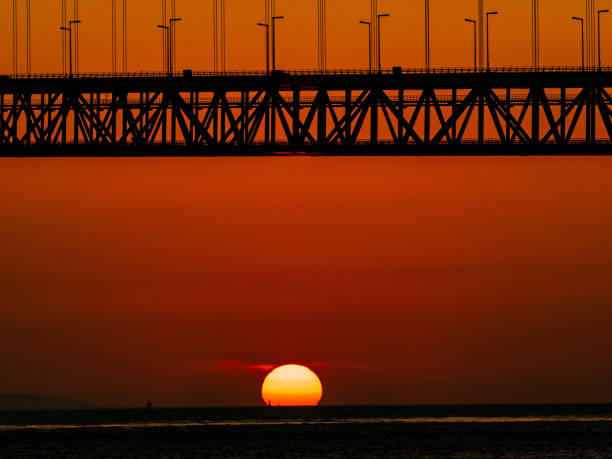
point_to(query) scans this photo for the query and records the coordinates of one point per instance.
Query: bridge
(398, 111)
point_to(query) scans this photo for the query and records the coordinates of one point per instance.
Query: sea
(516, 431)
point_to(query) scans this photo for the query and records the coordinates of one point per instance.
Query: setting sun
(292, 385)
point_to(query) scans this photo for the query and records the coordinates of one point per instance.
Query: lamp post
(69, 30)
(473, 21)
(576, 18)
(369, 24)
(164, 29)
(171, 44)
(274, 19)
(378, 45)
(489, 13)
(599, 35)
(267, 26)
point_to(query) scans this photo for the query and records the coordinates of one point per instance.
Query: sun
(292, 385)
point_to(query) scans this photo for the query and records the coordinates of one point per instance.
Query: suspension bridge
(397, 111)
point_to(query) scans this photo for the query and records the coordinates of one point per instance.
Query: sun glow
(292, 385)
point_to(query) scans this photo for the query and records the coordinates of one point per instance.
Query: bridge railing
(359, 142)
(309, 72)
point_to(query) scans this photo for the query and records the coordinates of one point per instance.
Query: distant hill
(10, 402)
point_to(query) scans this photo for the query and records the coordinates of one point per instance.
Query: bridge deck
(400, 111)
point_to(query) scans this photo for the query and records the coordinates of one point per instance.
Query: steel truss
(485, 113)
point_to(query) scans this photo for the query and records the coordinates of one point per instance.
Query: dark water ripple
(359, 432)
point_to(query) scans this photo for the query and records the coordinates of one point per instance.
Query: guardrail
(338, 72)
(285, 143)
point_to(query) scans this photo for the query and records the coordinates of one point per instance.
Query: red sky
(440, 280)
(405, 280)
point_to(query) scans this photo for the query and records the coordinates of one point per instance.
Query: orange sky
(402, 34)
(404, 280)
(400, 280)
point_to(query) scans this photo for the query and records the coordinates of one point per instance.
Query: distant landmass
(17, 402)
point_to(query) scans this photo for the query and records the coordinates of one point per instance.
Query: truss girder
(318, 116)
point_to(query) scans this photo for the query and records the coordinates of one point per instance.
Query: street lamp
(473, 21)
(167, 30)
(575, 18)
(489, 13)
(171, 45)
(274, 19)
(164, 29)
(599, 34)
(267, 26)
(378, 48)
(69, 30)
(369, 24)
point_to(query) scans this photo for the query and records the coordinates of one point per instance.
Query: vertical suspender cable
(481, 20)
(75, 32)
(537, 30)
(63, 17)
(593, 34)
(535, 33)
(427, 36)
(219, 34)
(373, 21)
(270, 13)
(590, 19)
(173, 13)
(533, 19)
(322, 34)
(223, 35)
(215, 4)
(587, 18)
(15, 36)
(28, 37)
(377, 33)
(114, 35)
(124, 37)
(164, 45)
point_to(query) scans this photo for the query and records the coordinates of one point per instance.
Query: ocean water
(534, 431)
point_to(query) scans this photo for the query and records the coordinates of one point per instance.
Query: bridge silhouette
(398, 111)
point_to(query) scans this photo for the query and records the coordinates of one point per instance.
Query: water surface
(426, 431)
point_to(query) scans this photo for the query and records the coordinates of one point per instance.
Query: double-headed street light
(369, 24)
(378, 49)
(599, 35)
(576, 18)
(69, 30)
(473, 21)
(489, 13)
(267, 27)
(168, 29)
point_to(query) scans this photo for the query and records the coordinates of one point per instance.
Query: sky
(398, 280)
(402, 34)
